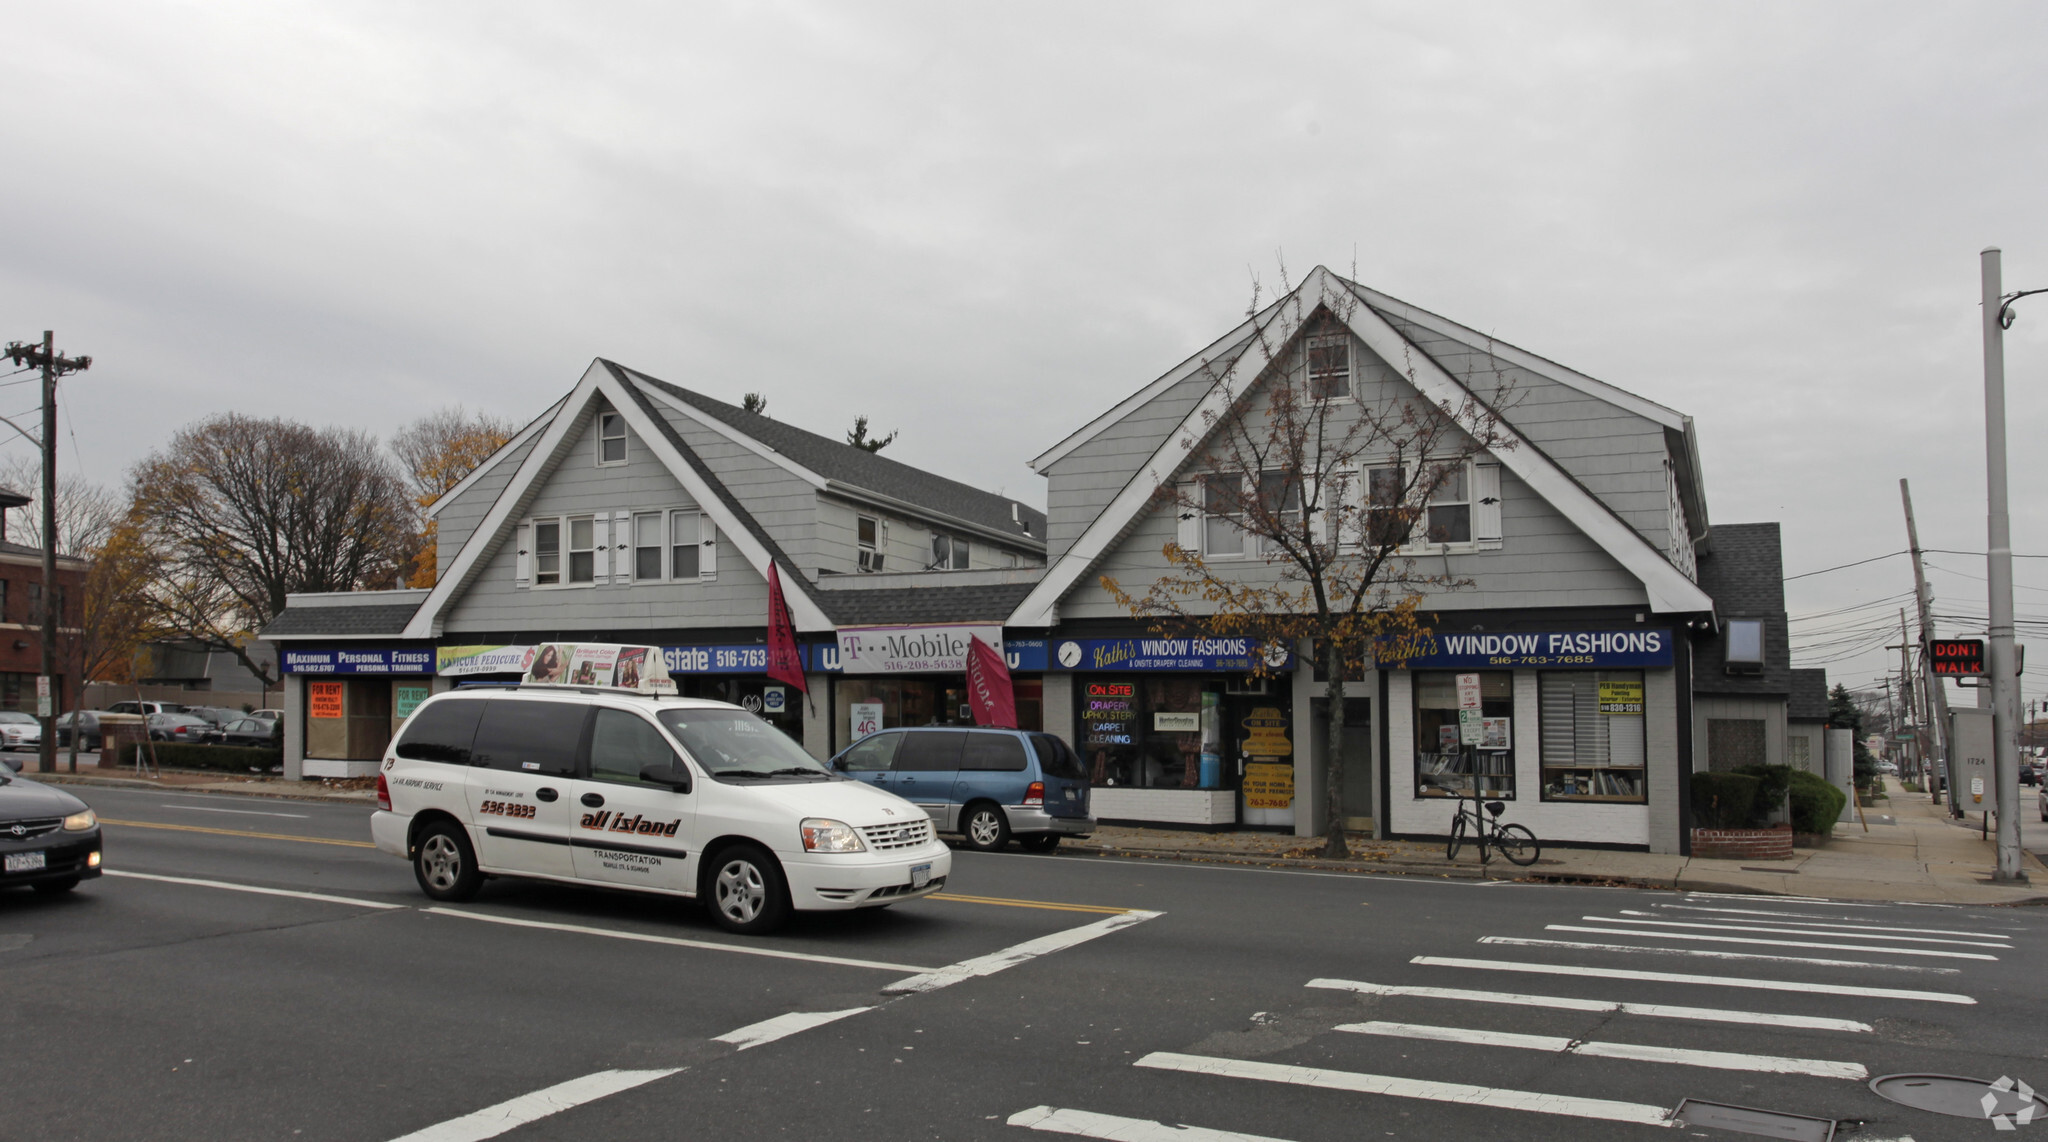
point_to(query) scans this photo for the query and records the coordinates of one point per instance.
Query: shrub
(1816, 804)
(232, 758)
(1725, 801)
(1773, 781)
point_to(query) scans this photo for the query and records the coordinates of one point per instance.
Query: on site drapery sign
(1512, 650)
(357, 661)
(912, 649)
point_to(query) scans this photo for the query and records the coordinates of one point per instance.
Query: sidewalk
(1910, 852)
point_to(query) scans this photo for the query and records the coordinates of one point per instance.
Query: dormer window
(1329, 368)
(611, 439)
(1745, 638)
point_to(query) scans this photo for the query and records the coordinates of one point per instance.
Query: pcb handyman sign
(940, 648)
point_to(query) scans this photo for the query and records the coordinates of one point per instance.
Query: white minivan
(662, 794)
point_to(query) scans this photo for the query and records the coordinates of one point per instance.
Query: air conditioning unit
(870, 559)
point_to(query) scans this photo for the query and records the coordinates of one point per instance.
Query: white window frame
(1204, 517)
(570, 551)
(1482, 503)
(604, 438)
(957, 556)
(1325, 341)
(634, 547)
(873, 551)
(564, 553)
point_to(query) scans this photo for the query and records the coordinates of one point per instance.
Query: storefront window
(1157, 733)
(863, 705)
(1591, 725)
(1448, 761)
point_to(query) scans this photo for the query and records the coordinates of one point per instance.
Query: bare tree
(1322, 483)
(87, 513)
(240, 512)
(437, 451)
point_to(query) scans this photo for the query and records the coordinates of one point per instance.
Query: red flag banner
(784, 663)
(988, 686)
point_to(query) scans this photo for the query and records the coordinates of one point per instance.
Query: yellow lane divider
(1008, 903)
(237, 833)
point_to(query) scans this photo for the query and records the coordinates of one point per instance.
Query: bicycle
(1515, 842)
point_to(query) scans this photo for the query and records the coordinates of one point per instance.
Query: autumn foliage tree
(437, 451)
(1315, 482)
(237, 512)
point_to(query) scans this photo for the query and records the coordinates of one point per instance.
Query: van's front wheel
(747, 893)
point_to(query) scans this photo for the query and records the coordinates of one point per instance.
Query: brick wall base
(1743, 844)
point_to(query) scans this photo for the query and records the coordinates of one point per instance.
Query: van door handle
(545, 794)
(592, 800)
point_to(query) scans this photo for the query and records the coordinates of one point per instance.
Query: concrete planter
(1774, 843)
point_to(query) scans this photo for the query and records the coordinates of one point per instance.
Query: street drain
(2005, 1100)
(1750, 1120)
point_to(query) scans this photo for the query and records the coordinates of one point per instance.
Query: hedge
(1816, 803)
(1726, 801)
(234, 758)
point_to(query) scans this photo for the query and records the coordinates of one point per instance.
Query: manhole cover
(1964, 1098)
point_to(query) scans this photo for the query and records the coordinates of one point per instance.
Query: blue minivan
(988, 785)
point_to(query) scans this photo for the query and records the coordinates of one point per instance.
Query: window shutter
(1190, 534)
(707, 546)
(601, 556)
(1486, 505)
(622, 548)
(522, 562)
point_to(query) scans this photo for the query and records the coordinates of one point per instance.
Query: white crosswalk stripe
(1937, 953)
(1562, 1003)
(1562, 1045)
(1708, 954)
(1703, 980)
(1812, 920)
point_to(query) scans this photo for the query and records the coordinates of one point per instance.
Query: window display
(1591, 727)
(1464, 733)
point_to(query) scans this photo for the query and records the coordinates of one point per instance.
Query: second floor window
(948, 553)
(611, 438)
(871, 536)
(547, 553)
(685, 554)
(647, 546)
(1450, 505)
(582, 550)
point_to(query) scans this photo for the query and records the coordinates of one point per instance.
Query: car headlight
(823, 835)
(80, 822)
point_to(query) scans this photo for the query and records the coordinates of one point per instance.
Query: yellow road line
(237, 833)
(1027, 903)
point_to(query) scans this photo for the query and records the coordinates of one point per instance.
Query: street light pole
(1998, 570)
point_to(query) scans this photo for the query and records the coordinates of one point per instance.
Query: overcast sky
(982, 225)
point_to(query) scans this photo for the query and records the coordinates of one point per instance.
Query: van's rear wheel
(747, 893)
(985, 827)
(1039, 842)
(444, 863)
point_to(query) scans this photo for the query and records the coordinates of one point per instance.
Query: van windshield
(736, 744)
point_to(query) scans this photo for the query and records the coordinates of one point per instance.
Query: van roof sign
(637, 668)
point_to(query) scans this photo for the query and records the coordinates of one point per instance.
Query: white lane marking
(1709, 954)
(673, 941)
(933, 979)
(1784, 899)
(1087, 1124)
(769, 1030)
(238, 812)
(1702, 980)
(492, 1121)
(1655, 1010)
(1814, 920)
(1717, 1060)
(1890, 951)
(1461, 1093)
(1641, 919)
(260, 891)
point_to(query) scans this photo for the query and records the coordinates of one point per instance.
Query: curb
(1442, 871)
(349, 797)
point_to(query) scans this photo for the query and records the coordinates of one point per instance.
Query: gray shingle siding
(383, 618)
(1742, 568)
(1809, 701)
(992, 603)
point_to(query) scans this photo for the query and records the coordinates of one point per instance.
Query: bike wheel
(1517, 844)
(1457, 840)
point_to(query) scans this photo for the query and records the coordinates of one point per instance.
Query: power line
(1842, 567)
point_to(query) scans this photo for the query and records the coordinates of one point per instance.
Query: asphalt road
(1078, 996)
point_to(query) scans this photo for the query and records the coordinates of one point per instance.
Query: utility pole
(1998, 571)
(1935, 690)
(47, 692)
(1913, 715)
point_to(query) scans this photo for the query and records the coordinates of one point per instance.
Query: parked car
(685, 797)
(273, 715)
(88, 723)
(49, 840)
(216, 716)
(19, 730)
(1890, 768)
(988, 785)
(145, 708)
(178, 728)
(256, 732)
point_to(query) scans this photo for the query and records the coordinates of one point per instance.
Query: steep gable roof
(835, 461)
(1667, 587)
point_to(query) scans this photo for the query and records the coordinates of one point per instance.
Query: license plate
(30, 862)
(920, 874)
(1071, 795)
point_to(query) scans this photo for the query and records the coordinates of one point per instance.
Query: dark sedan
(49, 839)
(178, 728)
(246, 731)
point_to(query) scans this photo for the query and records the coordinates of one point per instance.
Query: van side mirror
(673, 776)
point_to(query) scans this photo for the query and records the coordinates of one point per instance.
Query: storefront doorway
(1357, 794)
